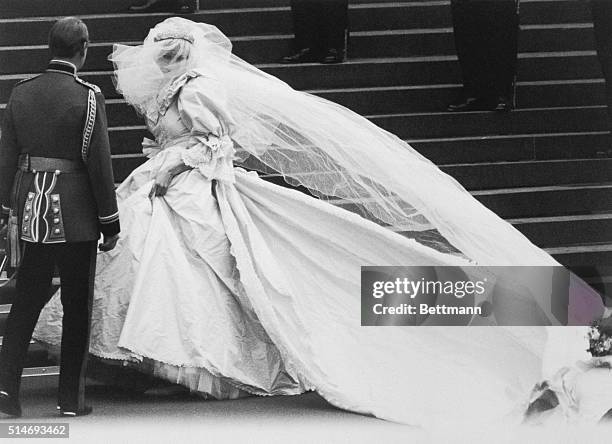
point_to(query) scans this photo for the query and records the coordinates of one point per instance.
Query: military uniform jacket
(57, 115)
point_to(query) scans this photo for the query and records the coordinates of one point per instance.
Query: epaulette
(91, 86)
(27, 80)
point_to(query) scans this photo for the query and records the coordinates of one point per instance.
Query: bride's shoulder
(199, 83)
(200, 77)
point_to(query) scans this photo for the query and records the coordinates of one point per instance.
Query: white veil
(325, 147)
(330, 150)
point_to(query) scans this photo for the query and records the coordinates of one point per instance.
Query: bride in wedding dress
(230, 285)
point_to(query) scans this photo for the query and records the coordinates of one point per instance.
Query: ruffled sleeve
(202, 105)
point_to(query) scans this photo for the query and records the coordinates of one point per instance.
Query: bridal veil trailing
(229, 284)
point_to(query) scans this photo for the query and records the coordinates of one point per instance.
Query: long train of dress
(256, 288)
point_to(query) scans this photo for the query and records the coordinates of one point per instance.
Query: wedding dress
(581, 384)
(229, 284)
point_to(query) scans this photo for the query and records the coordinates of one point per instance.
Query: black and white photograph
(306, 221)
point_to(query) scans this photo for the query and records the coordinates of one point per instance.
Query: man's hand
(109, 243)
(161, 184)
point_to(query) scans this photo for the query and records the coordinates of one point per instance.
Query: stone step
(604, 286)
(475, 149)
(36, 357)
(127, 142)
(419, 12)
(407, 27)
(558, 231)
(531, 173)
(416, 124)
(546, 197)
(546, 201)
(530, 202)
(521, 121)
(246, 22)
(7, 293)
(371, 44)
(409, 101)
(583, 255)
(579, 120)
(432, 98)
(371, 73)
(545, 146)
(4, 311)
(37, 8)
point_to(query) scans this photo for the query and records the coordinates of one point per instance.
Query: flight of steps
(546, 167)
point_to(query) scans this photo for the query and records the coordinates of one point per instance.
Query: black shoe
(160, 6)
(462, 104)
(74, 412)
(473, 104)
(305, 55)
(503, 105)
(184, 9)
(9, 405)
(333, 56)
(145, 7)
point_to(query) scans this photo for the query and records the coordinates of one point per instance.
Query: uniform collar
(62, 66)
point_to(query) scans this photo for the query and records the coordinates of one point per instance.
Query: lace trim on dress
(212, 156)
(196, 379)
(165, 98)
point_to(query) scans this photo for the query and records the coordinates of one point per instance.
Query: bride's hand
(161, 184)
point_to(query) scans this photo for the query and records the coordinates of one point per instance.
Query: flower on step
(600, 338)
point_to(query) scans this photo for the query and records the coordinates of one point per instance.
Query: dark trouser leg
(602, 20)
(503, 48)
(333, 18)
(467, 43)
(486, 35)
(33, 292)
(305, 27)
(77, 262)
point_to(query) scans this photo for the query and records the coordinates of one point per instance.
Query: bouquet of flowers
(600, 338)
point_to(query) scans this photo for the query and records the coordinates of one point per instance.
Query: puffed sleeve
(202, 105)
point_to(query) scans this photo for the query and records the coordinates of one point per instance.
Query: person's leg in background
(306, 28)
(503, 52)
(486, 34)
(334, 30)
(466, 32)
(76, 263)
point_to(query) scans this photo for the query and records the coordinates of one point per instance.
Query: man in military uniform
(321, 31)
(486, 39)
(56, 177)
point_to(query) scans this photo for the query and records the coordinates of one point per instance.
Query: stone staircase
(546, 167)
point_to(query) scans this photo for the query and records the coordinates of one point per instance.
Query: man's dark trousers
(320, 25)
(486, 36)
(76, 263)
